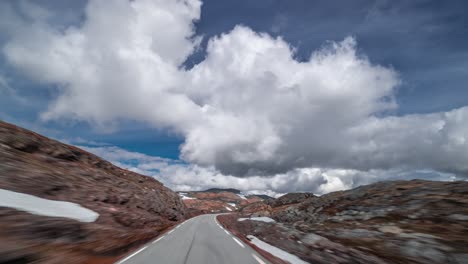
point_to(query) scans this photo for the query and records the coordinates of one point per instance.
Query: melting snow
(279, 253)
(262, 219)
(39, 206)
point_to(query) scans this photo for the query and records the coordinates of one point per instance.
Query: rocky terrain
(290, 198)
(219, 201)
(388, 222)
(132, 208)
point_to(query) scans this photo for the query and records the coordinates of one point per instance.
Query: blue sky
(424, 42)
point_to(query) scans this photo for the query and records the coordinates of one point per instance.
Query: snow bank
(279, 253)
(262, 219)
(39, 206)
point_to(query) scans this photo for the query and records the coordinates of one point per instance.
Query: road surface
(200, 240)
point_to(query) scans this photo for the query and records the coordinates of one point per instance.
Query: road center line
(259, 260)
(238, 242)
(125, 259)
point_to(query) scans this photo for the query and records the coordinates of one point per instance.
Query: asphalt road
(200, 240)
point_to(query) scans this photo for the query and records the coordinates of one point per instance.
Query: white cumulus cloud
(189, 177)
(250, 108)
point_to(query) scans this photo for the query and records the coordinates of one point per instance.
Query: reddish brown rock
(256, 209)
(133, 208)
(217, 201)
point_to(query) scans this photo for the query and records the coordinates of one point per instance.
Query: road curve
(200, 240)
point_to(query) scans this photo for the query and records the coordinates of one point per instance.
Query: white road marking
(125, 259)
(259, 260)
(238, 242)
(157, 240)
(143, 248)
(227, 232)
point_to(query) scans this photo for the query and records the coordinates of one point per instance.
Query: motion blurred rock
(256, 209)
(132, 208)
(387, 222)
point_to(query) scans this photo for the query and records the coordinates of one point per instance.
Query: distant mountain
(236, 191)
(218, 190)
(262, 196)
(131, 208)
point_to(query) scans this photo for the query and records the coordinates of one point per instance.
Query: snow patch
(45, 207)
(261, 219)
(182, 195)
(279, 253)
(227, 208)
(242, 196)
(233, 205)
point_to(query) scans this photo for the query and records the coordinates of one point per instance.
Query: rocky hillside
(290, 198)
(388, 222)
(218, 200)
(131, 208)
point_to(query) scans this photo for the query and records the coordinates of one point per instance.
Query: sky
(266, 96)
